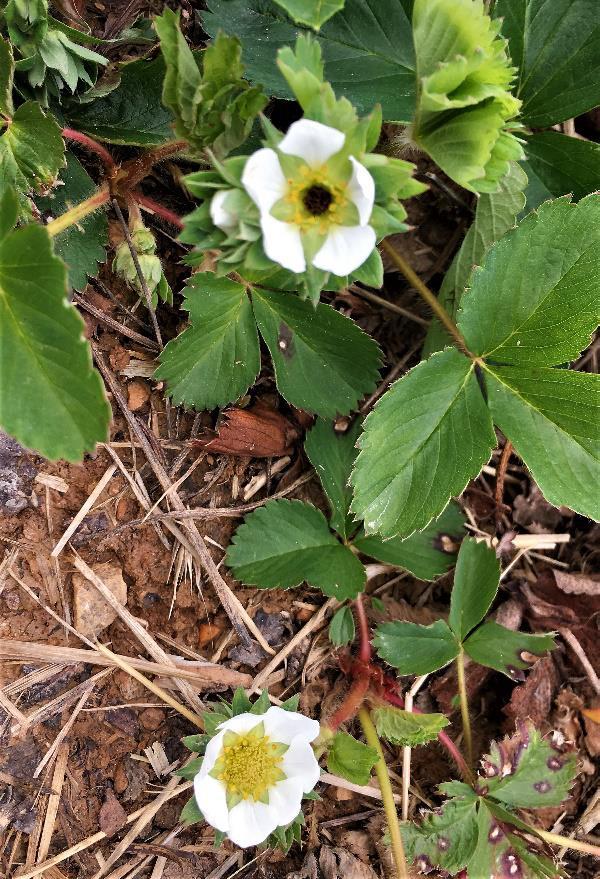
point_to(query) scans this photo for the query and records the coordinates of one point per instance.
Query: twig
(500, 476)
(58, 779)
(66, 728)
(364, 790)
(390, 377)
(407, 750)
(84, 510)
(115, 325)
(391, 306)
(579, 652)
(139, 272)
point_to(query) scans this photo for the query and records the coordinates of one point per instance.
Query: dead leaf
(533, 699)
(535, 513)
(577, 584)
(112, 814)
(337, 863)
(259, 432)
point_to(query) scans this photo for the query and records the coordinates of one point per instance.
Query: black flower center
(317, 200)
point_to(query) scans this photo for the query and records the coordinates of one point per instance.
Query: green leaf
(534, 777)
(495, 214)
(262, 704)
(424, 553)
(212, 719)
(31, 153)
(546, 269)
(314, 13)
(407, 728)
(496, 647)
(425, 439)
(415, 649)
(323, 362)
(341, 627)
(557, 165)
(476, 581)
(446, 838)
(240, 703)
(216, 359)
(7, 69)
(332, 455)
(551, 418)
(191, 814)
(81, 246)
(133, 113)
(51, 399)
(286, 543)
(196, 743)
(190, 771)
(367, 49)
(556, 47)
(498, 850)
(351, 759)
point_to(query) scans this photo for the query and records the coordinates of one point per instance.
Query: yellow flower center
(315, 199)
(249, 764)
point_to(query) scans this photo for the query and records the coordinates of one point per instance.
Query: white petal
(250, 823)
(345, 249)
(213, 749)
(212, 801)
(284, 726)
(263, 179)
(282, 243)
(299, 763)
(285, 798)
(361, 190)
(241, 723)
(221, 217)
(312, 141)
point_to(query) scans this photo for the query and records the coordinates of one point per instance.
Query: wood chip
(54, 482)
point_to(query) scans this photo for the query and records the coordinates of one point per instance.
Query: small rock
(112, 814)
(92, 613)
(17, 473)
(138, 394)
(152, 718)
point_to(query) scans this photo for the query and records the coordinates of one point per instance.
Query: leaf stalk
(464, 705)
(79, 211)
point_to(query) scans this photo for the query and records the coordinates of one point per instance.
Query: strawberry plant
(297, 135)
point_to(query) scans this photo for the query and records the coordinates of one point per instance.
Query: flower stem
(138, 168)
(77, 213)
(566, 842)
(154, 207)
(430, 298)
(366, 652)
(92, 145)
(464, 705)
(387, 794)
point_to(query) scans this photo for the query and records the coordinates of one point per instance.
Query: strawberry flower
(255, 772)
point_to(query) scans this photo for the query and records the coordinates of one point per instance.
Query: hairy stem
(135, 170)
(77, 213)
(351, 703)
(363, 628)
(155, 208)
(91, 145)
(566, 842)
(387, 794)
(426, 294)
(464, 705)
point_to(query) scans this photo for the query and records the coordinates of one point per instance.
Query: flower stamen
(249, 764)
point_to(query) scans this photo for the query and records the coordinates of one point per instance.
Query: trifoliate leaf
(216, 359)
(495, 214)
(525, 772)
(427, 554)
(464, 103)
(313, 13)
(445, 839)
(131, 114)
(351, 759)
(425, 439)
(332, 455)
(555, 45)
(407, 728)
(500, 851)
(51, 399)
(556, 165)
(550, 416)
(191, 814)
(215, 107)
(496, 647)
(415, 649)
(81, 246)
(7, 69)
(367, 47)
(323, 362)
(535, 299)
(476, 581)
(286, 543)
(31, 153)
(341, 628)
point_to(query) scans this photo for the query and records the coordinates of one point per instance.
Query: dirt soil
(85, 747)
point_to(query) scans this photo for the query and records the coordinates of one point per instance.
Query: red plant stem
(443, 738)
(365, 652)
(136, 169)
(92, 145)
(351, 703)
(154, 207)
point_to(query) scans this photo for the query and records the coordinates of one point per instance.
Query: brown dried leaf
(260, 432)
(577, 584)
(112, 814)
(532, 700)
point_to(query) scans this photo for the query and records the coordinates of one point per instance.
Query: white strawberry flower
(255, 772)
(315, 201)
